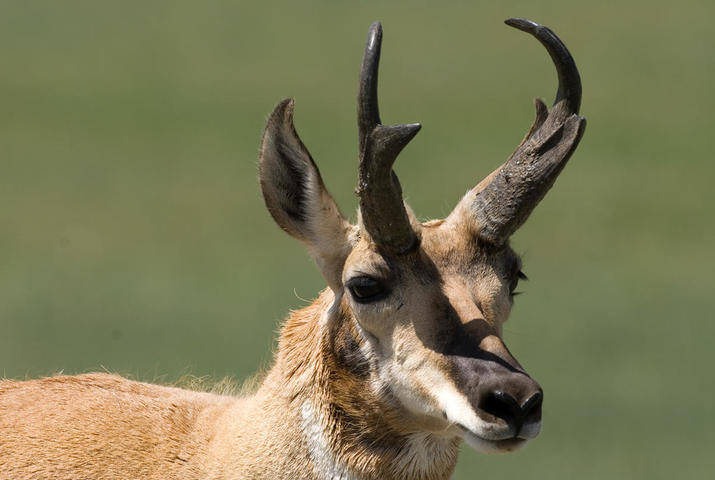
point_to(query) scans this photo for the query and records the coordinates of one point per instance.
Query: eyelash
(366, 289)
(515, 283)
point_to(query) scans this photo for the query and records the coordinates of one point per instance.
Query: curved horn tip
(374, 34)
(523, 24)
(569, 79)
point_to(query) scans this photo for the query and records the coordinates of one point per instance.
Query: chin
(482, 445)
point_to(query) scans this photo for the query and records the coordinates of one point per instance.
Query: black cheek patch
(348, 354)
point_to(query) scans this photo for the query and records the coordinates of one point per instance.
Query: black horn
(505, 203)
(381, 206)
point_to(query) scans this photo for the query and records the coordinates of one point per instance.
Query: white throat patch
(325, 465)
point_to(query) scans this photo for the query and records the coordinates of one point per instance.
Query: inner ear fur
(296, 196)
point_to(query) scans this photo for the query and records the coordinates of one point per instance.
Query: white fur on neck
(422, 457)
(325, 465)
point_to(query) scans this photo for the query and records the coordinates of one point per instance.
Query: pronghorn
(396, 363)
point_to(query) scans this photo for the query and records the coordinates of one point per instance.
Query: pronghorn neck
(381, 381)
(351, 424)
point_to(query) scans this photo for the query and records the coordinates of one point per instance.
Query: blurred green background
(133, 237)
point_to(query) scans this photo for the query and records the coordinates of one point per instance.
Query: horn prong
(382, 209)
(514, 189)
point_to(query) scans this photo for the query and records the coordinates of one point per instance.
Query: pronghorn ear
(297, 198)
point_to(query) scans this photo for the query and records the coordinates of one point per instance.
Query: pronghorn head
(428, 300)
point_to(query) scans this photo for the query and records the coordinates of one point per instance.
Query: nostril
(504, 406)
(531, 409)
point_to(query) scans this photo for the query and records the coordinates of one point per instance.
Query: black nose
(502, 405)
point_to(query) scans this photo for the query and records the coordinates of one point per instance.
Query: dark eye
(366, 289)
(515, 282)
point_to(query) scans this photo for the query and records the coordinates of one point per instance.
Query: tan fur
(382, 377)
(103, 426)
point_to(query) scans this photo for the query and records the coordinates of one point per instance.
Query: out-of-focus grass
(133, 236)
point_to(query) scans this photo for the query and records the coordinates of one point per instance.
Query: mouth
(503, 445)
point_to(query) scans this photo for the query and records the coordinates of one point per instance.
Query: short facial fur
(399, 360)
